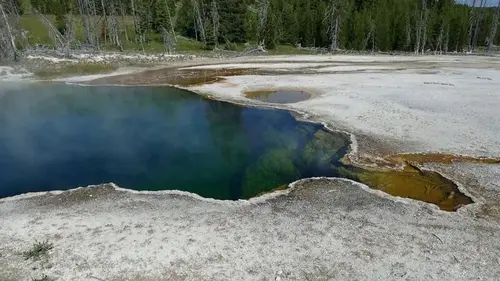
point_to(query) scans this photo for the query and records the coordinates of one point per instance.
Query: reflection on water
(55, 136)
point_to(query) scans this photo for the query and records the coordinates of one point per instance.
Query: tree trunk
(170, 20)
(478, 24)
(122, 11)
(336, 33)
(215, 23)
(10, 44)
(169, 48)
(82, 9)
(57, 37)
(408, 32)
(105, 19)
(446, 39)
(418, 30)
(370, 36)
(439, 41)
(137, 29)
(199, 21)
(93, 8)
(424, 25)
(114, 31)
(332, 17)
(493, 29)
(471, 26)
(69, 35)
(263, 10)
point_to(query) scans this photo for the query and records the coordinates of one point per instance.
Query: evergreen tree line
(378, 25)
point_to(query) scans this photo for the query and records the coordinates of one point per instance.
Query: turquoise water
(57, 137)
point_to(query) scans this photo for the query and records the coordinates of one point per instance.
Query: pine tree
(232, 24)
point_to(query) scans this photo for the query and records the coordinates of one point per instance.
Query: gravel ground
(322, 230)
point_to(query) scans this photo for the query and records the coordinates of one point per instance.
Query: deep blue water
(56, 137)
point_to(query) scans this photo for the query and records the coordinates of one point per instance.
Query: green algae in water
(316, 156)
(56, 137)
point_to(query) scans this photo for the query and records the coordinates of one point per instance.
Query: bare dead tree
(69, 34)
(332, 18)
(58, 39)
(408, 31)
(215, 22)
(263, 7)
(479, 19)
(424, 25)
(123, 12)
(421, 28)
(199, 22)
(22, 35)
(470, 30)
(139, 33)
(85, 11)
(370, 36)
(195, 29)
(8, 49)
(418, 30)
(105, 23)
(92, 8)
(493, 28)
(112, 26)
(169, 46)
(172, 28)
(134, 19)
(446, 39)
(444, 35)
(439, 41)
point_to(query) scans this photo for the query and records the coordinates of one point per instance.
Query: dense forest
(377, 25)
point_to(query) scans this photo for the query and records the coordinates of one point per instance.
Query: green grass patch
(38, 33)
(187, 44)
(38, 250)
